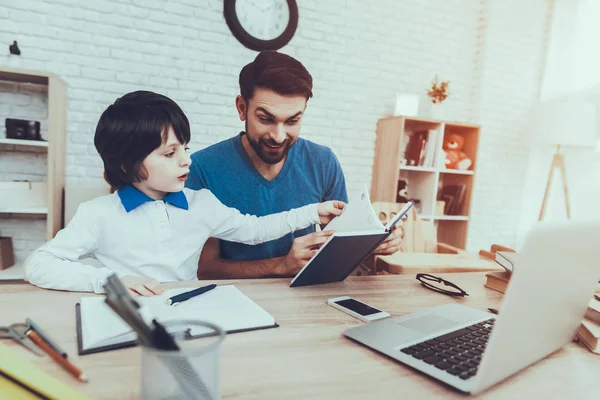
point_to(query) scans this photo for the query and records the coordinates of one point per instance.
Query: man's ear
(242, 107)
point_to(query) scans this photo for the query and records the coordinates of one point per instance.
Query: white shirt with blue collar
(130, 233)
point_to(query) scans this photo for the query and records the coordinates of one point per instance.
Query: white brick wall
(360, 54)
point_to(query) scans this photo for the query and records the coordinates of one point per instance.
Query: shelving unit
(18, 200)
(14, 273)
(12, 144)
(425, 183)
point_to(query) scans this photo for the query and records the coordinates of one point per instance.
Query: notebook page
(99, 322)
(358, 215)
(224, 306)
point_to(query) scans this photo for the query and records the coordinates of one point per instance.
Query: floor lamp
(563, 124)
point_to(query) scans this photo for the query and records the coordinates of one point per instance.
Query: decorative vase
(438, 111)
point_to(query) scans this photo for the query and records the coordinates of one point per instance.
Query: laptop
(471, 350)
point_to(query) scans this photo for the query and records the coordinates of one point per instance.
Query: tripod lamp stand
(562, 124)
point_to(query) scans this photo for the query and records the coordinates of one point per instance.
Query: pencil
(56, 356)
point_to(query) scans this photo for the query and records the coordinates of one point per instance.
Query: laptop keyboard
(458, 353)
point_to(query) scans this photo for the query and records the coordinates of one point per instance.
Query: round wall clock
(262, 24)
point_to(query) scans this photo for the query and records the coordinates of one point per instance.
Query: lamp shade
(569, 123)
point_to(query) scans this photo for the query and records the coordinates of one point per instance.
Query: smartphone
(357, 309)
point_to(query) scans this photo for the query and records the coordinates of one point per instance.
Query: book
(99, 328)
(22, 379)
(453, 196)
(589, 333)
(593, 311)
(497, 280)
(358, 231)
(507, 260)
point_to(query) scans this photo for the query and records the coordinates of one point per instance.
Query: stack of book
(454, 198)
(589, 330)
(420, 149)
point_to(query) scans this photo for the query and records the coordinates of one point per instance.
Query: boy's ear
(242, 107)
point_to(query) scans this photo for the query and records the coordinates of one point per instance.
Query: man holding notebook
(267, 168)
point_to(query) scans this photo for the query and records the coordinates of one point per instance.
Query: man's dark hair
(276, 71)
(133, 127)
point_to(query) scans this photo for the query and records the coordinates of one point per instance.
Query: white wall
(360, 54)
(571, 71)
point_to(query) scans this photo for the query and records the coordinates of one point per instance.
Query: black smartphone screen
(357, 307)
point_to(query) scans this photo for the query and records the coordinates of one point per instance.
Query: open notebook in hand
(358, 231)
(99, 328)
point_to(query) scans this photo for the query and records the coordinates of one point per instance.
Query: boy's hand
(138, 285)
(330, 209)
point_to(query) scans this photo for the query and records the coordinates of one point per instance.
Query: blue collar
(132, 198)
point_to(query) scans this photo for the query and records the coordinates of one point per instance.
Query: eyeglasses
(429, 280)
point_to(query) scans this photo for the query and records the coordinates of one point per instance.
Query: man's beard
(266, 156)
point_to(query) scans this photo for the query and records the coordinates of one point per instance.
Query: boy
(151, 229)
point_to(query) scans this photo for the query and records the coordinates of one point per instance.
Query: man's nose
(279, 134)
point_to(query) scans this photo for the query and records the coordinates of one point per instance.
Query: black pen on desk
(493, 310)
(46, 338)
(173, 301)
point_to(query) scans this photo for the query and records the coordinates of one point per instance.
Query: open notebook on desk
(358, 231)
(99, 328)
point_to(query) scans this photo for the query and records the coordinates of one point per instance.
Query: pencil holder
(192, 372)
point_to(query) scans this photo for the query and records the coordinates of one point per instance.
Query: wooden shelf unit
(54, 146)
(424, 183)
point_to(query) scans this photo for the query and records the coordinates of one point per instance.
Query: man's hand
(393, 243)
(303, 249)
(328, 210)
(138, 285)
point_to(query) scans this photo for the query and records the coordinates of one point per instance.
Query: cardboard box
(7, 255)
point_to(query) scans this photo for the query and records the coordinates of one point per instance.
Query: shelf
(451, 217)
(456, 171)
(25, 210)
(19, 142)
(25, 76)
(16, 272)
(417, 169)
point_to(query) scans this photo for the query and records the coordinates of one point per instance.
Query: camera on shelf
(22, 129)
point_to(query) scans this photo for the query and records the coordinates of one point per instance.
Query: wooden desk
(432, 263)
(307, 357)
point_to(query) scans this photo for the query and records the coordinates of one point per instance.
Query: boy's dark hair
(133, 127)
(276, 71)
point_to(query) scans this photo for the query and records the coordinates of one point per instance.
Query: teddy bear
(455, 157)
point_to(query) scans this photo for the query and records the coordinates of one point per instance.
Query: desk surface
(307, 357)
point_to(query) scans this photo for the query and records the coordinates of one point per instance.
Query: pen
(188, 295)
(493, 310)
(45, 336)
(63, 362)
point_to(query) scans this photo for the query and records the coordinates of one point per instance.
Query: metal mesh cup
(192, 372)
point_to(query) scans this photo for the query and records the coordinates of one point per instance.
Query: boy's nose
(186, 161)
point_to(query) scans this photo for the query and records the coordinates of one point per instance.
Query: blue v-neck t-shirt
(311, 174)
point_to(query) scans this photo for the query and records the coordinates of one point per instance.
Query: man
(268, 168)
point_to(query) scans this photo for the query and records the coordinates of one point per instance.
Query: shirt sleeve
(336, 182)
(55, 265)
(229, 224)
(196, 179)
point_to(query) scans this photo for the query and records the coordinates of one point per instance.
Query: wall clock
(262, 24)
